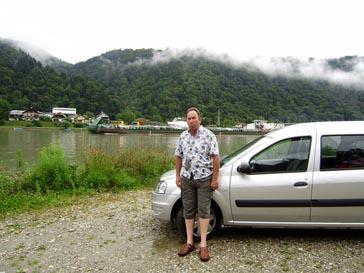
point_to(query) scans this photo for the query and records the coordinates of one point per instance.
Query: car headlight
(161, 187)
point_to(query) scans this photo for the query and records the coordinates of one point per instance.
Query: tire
(214, 226)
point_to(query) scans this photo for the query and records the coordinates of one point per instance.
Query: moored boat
(101, 120)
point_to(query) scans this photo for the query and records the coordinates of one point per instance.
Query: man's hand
(178, 181)
(214, 184)
(178, 171)
(215, 172)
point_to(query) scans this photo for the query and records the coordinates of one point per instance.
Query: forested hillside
(130, 82)
(26, 83)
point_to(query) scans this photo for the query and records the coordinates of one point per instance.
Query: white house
(16, 114)
(68, 112)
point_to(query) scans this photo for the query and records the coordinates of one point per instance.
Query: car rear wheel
(214, 224)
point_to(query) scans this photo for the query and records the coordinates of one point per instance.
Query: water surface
(28, 141)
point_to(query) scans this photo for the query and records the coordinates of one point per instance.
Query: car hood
(169, 175)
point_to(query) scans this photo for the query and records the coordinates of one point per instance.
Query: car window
(288, 155)
(342, 152)
(240, 150)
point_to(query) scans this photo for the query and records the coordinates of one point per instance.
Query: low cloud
(346, 71)
(162, 56)
(34, 51)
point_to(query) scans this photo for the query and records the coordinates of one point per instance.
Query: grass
(26, 201)
(33, 262)
(287, 257)
(52, 181)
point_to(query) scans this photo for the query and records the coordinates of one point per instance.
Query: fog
(348, 71)
(36, 52)
(313, 69)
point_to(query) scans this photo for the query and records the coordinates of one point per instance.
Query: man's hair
(193, 109)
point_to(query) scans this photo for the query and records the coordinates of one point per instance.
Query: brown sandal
(204, 254)
(186, 249)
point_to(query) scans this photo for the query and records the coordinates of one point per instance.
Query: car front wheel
(214, 224)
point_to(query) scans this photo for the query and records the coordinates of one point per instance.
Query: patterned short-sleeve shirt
(196, 152)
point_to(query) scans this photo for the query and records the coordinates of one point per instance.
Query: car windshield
(241, 149)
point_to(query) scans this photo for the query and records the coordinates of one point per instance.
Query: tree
(127, 115)
(89, 114)
(4, 109)
(124, 82)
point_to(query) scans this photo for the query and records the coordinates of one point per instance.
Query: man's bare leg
(189, 230)
(204, 225)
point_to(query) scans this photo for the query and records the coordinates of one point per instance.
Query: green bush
(36, 123)
(51, 172)
(48, 119)
(145, 165)
(128, 169)
(66, 124)
(60, 124)
(97, 179)
(79, 125)
(7, 186)
(97, 170)
(20, 162)
(100, 172)
(29, 124)
(41, 184)
(123, 181)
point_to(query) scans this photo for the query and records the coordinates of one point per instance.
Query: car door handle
(300, 184)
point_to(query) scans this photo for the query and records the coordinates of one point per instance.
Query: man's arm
(215, 172)
(178, 171)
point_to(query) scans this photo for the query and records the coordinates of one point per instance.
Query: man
(197, 171)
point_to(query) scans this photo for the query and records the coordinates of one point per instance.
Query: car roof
(322, 128)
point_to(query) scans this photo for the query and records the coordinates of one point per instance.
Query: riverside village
(102, 123)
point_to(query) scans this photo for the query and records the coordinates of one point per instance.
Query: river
(25, 143)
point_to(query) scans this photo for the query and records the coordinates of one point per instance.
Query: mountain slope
(25, 82)
(38, 54)
(163, 89)
(136, 83)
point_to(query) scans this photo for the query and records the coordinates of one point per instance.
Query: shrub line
(52, 179)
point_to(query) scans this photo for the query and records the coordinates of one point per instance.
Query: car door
(338, 191)
(278, 189)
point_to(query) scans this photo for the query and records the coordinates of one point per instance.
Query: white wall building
(68, 112)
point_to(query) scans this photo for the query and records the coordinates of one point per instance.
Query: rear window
(342, 152)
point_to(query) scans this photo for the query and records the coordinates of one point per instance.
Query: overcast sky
(75, 30)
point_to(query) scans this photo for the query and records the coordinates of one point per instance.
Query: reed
(145, 165)
(41, 184)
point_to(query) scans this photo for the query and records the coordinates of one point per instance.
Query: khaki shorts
(196, 196)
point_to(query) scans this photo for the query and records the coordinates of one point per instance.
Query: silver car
(304, 175)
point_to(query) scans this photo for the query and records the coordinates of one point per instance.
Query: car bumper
(162, 205)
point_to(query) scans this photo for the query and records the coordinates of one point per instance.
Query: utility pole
(218, 117)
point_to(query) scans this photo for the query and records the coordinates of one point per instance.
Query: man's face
(193, 120)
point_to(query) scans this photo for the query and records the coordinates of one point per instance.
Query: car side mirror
(244, 168)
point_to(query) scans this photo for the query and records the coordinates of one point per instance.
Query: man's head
(193, 118)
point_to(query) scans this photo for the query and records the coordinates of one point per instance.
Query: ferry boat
(102, 120)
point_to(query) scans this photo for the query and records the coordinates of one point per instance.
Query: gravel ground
(117, 233)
